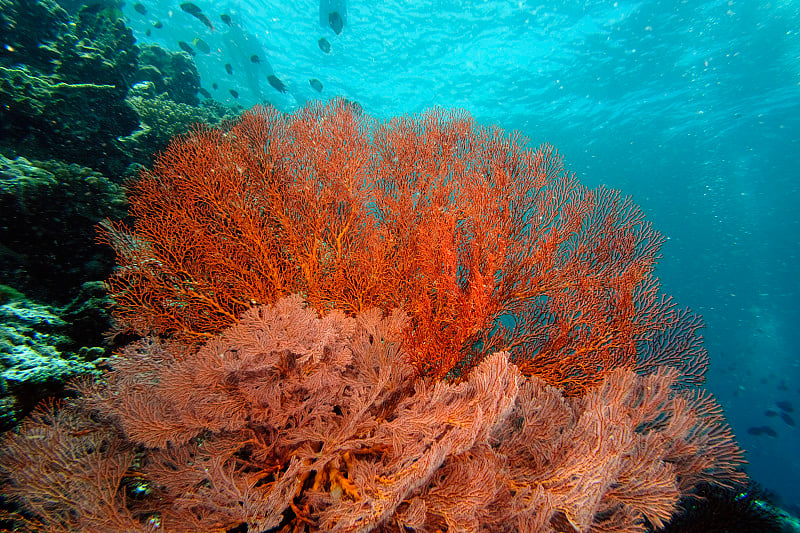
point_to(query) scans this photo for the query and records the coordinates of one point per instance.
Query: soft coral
(486, 244)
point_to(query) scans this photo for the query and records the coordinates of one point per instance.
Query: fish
(201, 45)
(354, 106)
(324, 45)
(234, 93)
(788, 419)
(228, 68)
(204, 92)
(226, 19)
(148, 32)
(205, 20)
(785, 406)
(316, 84)
(139, 8)
(215, 86)
(336, 22)
(191, 8)
(186, 48)
(770, 413)
(275, 82)
(766, 430)
(197, 13)
(254, 59)
(158, 25)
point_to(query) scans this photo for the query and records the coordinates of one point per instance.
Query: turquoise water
(693, 108)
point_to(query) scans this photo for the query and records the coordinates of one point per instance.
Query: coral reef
(744, 510)
(354, 326)
(63, 96)
(30, 30)
(48, 216)
(287, 421)
(173, 73)
(162, 118)
(37, 354)
(65, 73)
(488, 246)
(350, 326)
(65, 79)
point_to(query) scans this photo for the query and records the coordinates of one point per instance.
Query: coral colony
(350, 325)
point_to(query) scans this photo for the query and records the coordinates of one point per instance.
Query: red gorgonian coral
(487, 246)
(354, 326)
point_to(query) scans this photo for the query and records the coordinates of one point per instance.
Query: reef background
(693, 110)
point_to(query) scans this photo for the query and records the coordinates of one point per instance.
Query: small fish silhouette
(204, 19)
(228, 68)
(335, 21)
(186, 48)
(139, 8)
(765, 430)
(275, 82)
(234, 93)
(197, 13)
(316, 84)
(226, 19)
(324, 45)
(191, 8)
(201, 45)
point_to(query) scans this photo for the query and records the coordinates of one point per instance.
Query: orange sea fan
(486, 244)
(288, 421)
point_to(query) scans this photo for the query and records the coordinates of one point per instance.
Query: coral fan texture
(350, 326)
(487, 245)
(287, 420)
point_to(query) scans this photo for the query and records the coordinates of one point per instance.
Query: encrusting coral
(354, 326)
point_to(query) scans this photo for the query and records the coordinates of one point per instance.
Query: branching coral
(487, 245)
(288, 421)
(350, 326)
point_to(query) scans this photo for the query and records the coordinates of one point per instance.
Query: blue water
(691, 107)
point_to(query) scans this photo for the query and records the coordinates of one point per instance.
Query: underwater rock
(48, 216)
(162, 118)
(36, 355)
(63, 80)
(176, 74)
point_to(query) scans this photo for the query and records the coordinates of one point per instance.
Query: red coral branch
(486, 244)
(287, 421)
